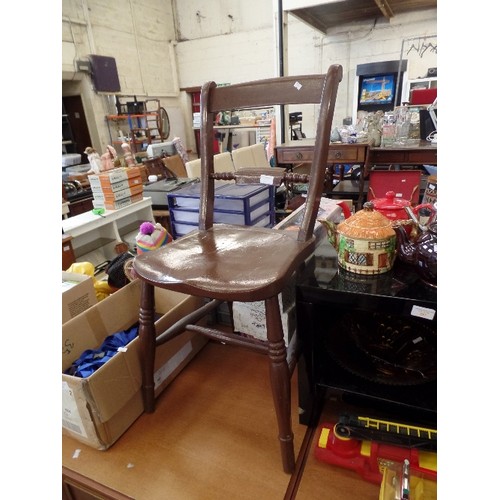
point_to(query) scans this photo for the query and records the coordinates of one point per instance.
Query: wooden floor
(213, 436)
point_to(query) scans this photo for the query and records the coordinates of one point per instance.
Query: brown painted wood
(297, 152)
(68, 255)
(213, 261)
(78, 487)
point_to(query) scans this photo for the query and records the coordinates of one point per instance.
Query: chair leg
(147, 340)
(280, 382)
(231, 316)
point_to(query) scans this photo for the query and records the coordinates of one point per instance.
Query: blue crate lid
(224, 190)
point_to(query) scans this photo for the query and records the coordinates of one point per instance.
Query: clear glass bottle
(403, 118)
(388, 129)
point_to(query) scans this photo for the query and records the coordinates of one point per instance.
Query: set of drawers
(241, 204)
(337, 153)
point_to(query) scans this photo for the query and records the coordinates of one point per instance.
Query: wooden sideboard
(298, 152)
(423, 153)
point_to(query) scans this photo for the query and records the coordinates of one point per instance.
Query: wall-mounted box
(104, 73)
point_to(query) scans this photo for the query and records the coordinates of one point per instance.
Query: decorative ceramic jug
(421, 253)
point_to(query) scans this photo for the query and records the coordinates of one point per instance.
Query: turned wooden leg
(280, 382)
(147, 339)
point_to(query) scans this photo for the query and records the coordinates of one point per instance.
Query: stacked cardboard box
(117, 188)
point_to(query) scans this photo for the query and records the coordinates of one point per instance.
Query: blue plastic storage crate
(241, 204)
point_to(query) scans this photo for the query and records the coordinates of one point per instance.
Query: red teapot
(395, 209)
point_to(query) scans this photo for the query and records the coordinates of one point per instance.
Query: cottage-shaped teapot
(365, 242)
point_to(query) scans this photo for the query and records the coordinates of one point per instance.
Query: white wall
(212, 51)
(140, 36)
(163, 45)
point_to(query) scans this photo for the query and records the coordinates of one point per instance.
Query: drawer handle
(298, 156)
(338, 154)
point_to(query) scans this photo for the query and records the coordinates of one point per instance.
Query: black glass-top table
(369, 340)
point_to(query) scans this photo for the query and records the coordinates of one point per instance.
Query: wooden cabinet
(68, 256)
(81, 206)
(302, 152)
(424, 154)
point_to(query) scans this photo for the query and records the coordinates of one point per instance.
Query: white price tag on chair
(267, 179)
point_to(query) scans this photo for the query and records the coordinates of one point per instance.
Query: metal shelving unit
(150, 124)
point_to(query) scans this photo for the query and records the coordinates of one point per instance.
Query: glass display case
(369, 340)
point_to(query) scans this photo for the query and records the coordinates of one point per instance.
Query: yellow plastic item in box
(420, 488)
(101, 288)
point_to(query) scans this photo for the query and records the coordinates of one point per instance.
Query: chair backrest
(193, 168)
(223, 162)
(305, 89)
(250, 156)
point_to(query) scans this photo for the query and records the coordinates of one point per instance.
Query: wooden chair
(241, 263)
(223, 162)
(250, 156)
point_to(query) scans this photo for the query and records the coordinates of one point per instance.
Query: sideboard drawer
(341, 154)
(423, 157)
(402, 157)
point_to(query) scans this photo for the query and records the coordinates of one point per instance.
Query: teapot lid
(367, 224)
(390, 202)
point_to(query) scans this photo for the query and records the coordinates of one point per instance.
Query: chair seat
(226, 262)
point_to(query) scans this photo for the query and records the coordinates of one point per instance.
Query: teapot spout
(345, 209)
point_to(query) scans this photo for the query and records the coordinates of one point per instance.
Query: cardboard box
(106, 179)
(112, 196)
(98, 409)
(117, 204)
(250, 317)
(98, 188)
(175, 165)
(78, 294)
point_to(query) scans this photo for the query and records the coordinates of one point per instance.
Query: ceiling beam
(385, 8)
